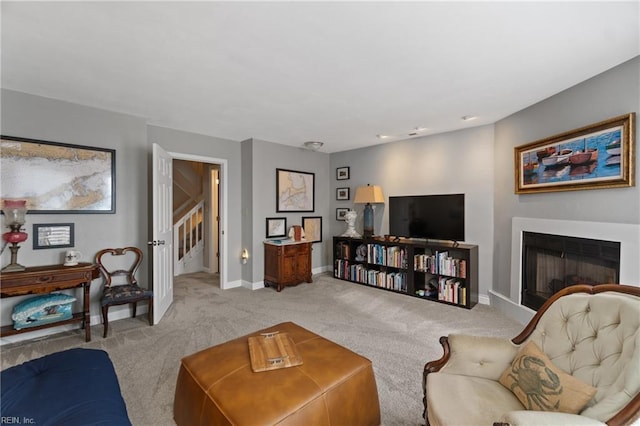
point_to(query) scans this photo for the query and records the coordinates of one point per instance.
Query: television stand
(411, 266)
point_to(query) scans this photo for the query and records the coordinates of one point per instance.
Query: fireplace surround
(628, 234)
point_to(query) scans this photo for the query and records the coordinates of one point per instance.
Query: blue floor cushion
(72, 387)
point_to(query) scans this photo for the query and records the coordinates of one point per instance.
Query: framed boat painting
(601, 155)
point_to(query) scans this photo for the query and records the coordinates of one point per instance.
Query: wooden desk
(45, 279)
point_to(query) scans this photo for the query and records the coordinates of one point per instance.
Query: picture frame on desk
(312, 226)
(276, 227)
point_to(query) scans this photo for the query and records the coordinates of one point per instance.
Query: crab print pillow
(541, 386)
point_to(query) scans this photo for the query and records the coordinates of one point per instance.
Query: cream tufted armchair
(590, 332)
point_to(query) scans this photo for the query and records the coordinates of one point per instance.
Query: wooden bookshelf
(440, 271)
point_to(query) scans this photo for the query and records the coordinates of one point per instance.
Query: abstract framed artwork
(53, 235)
(295, 191)
(601, 155)
(342, 173)
(276, 227)
(58, 177)
(312, 226)
(341, 212)
(342, 193)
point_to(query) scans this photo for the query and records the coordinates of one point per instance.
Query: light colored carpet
(396, 332)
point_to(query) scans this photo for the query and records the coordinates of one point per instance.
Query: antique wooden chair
(120, 285)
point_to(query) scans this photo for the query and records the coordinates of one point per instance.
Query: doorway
(215, 187)
(195, 217)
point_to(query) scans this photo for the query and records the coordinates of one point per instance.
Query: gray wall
(56, 121)
(455, 162)
(610, 94)
(267, 157)
(476, 161)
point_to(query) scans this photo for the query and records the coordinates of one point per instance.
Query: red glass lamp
(14, 216)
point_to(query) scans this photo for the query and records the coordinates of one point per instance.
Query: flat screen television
(437, 217)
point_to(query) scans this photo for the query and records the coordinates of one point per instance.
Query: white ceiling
(289, 72)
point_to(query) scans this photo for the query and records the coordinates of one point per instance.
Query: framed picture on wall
(52, 235)
(341, 212)
(276, 227)
(342, 193)
(295, 191)
(342, 173)
(600, 155)
(58, 177)
(312, 226)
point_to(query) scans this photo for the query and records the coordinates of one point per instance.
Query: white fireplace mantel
(627, 234)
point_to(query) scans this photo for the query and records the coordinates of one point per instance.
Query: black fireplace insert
(553, 262)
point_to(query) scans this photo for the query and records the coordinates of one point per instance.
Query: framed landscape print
(312, 226)
(58, 177)
(601, 155)
(295, 191)
(342, 193)
(276, 227)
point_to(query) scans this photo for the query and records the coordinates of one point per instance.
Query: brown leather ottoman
(333, 386)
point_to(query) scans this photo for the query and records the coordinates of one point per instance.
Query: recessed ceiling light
(469, 117)
(417, 131)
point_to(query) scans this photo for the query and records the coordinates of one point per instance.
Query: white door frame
(214, 226)
(222, 207)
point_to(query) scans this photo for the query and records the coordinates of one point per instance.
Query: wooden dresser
(287, 263)
(45, 279)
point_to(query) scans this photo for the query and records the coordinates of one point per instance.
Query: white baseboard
(483, 299)
(321, 269)
(233, 284)
(253, 286)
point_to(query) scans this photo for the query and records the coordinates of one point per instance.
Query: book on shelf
(440, 263)
(379, 254)
(452, 290)
(343, 250)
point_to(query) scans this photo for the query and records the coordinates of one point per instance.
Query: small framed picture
(342, 173)
(312, 226)
(342, 194)
(341, 212)
(52, 235)
(276, 227)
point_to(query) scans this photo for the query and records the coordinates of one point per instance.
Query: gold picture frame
(601, 155)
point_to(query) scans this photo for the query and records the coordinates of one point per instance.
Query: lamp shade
(368, 194)
(15, 211)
